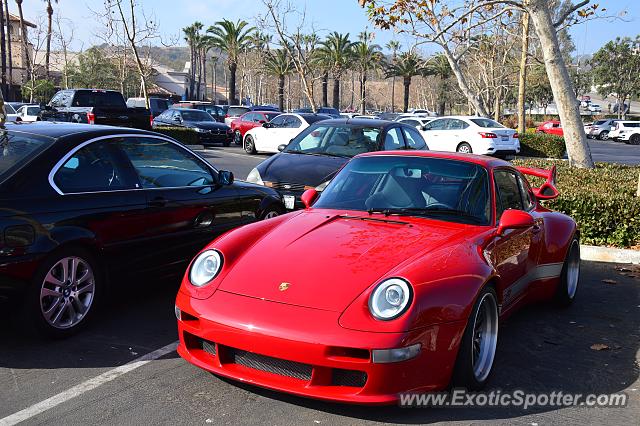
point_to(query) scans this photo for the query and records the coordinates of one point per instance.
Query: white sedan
(28, 113)
(477, 135)
(278, 131)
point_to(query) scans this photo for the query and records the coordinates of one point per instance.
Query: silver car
(600, 129)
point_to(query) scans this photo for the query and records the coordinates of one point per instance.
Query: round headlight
(205, 267)
(390, 299)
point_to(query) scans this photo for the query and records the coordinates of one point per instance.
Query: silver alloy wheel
(485, 337)
(237, 137)
(604, 136)
(67, 292)
(464, 148)
(573, 270)
(271, 214)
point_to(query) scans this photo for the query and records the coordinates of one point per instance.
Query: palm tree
(23, 30)
(9, 55)
(337, 50)
(394, 46)
(367, 57)
(439, 66)
(260, 43)
(279, 64)
(407, 65)
(49, 33)
(231, 38)
(192, 36)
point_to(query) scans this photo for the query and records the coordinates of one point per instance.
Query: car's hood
(309, 170)
(326, 260)
(209, 125)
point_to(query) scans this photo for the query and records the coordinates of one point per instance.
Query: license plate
(505, 138)
(289, 201)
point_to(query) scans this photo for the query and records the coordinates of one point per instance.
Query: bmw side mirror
(225, 177)
(282, 147)
(514, 219)
(309, 197)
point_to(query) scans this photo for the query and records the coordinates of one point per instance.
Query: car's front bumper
(306, 352)
(215, 138)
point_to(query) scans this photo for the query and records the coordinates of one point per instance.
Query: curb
(608, 254)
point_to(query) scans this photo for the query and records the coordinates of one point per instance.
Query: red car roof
(482, 160)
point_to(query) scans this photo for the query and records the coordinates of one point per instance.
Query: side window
(414, 139)
(507, 192)
(55, 101)
(278, 121)
(411, 122)
(162, 164)
(393, 140)
(249, 117)
(456, 125)
(293, 122)
(527, 198)
(92, 168)
(437, 124)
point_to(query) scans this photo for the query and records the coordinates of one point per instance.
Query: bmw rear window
(17, 149)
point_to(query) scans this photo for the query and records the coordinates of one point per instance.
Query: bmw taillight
(488, 135)
(91, 118)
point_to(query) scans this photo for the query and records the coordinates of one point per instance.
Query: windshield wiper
(424, 211)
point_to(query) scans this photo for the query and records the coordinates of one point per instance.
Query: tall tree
(231, 38)
(25, 42)
(522, 75)
(49, 34)
(9, 55)
(394, 47)
(3, 51)
(192, 37)
(338, 50)
(278, 64)
(438, 66)
(406, 66)
(367, 58)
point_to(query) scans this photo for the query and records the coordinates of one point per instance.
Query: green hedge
(542, 145)
(603, 201)
(186, 136)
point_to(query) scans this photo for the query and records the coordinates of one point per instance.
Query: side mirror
(514, 219)
(424, 128)
(225, 177)
(177, 119)
(282, 147)
(309, 197)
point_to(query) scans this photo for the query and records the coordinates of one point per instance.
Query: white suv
(623, 131)
(477, 135)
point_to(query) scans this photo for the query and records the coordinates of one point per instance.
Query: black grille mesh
(351, 378)
(209, 347)
(291, 186)
(278, 366)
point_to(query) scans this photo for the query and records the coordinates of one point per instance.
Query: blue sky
(326, 15)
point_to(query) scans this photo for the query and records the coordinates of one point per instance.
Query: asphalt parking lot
(541, 349)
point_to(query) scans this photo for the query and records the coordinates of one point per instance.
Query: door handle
(158, 202)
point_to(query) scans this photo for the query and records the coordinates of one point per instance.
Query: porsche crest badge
(284, 286)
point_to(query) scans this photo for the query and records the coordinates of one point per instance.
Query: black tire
(272, 211)
(464, 375)
(569, 283)
(464, 148)
(604, 135)
(35, 304)
(237, 137)
(249, 146)
(634, 139)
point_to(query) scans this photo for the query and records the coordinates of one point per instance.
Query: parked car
(28, 113)
(551, 127)
(623, 131)
(95, 106)
(394, 280)
(248, 121)
(209, 130)
(470, 134)
(280, 130)
(218, 112)
(331, 112)
(234, 112)
(314, 156)
(600, 129)
(418, 122)
(156, 105)
(81, 207)
(425, 112)
(595, 108)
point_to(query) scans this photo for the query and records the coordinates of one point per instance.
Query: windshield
(9, 109)
(17, 150)
(599, 122)
(196, 115)
(413, 186)
(98, 98)
(486, 123)
(335, 140)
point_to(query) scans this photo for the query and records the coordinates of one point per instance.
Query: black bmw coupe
(82, 205)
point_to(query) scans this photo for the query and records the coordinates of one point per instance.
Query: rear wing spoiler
(548, 190)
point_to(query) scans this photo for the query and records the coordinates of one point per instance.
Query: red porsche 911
(393, 280)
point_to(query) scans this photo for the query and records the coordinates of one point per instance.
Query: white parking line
(86, 386)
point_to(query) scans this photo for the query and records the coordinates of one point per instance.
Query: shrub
(511, 121)
(542, 145)
(186, 136)
(603, 201)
